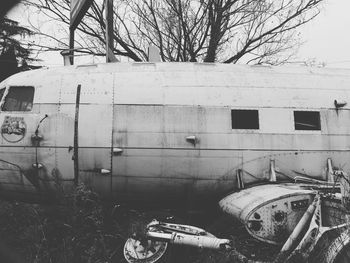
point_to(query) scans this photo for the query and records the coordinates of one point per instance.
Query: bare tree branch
(250, 31)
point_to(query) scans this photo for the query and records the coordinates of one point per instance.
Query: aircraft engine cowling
(269, 212)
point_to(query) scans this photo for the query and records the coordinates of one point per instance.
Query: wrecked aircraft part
(330, 171)
(332, 247)
(209, 241)
(339, 249)
(333, 244)
(192, 230)
(185, 235)
(240, 179)
(326, 239)
(147, 251)
(321, 241)
(153, 246)
(293, 238)
(272, 172)
(344, 180)
(307, 180)
(269, 212)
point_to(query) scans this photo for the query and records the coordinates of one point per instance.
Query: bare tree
(249, 31)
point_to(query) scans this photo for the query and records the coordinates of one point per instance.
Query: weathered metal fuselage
(162, 133)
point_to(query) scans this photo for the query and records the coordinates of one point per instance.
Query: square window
(245, 119)
(307, 120)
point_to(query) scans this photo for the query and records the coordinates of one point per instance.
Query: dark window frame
(18, 101)
(245, 119)
(2, 92)
(307, 120)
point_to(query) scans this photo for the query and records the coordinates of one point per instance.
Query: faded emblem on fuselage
(13, 129)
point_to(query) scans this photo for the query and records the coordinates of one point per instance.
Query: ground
(86, 230)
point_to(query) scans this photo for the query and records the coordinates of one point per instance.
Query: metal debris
(153, 246)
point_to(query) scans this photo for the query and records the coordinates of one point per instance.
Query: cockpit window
(2, 93)
(19, 99)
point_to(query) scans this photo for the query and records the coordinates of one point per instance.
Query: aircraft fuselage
(169, 132)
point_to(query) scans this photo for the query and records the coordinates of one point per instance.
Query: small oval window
(19, 98)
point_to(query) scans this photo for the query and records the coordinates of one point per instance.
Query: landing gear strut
(153, 245)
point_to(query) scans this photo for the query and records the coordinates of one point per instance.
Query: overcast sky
(327, 37)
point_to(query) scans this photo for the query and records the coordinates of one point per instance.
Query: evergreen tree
(6, 5)
(14, 56)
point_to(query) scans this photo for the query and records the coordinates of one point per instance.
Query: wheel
(147, 251)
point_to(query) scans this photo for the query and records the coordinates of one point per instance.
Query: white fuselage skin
(162, 133)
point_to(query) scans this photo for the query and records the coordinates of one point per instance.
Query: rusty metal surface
(269, 212)
(147, 110)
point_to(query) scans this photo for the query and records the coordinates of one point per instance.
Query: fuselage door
(17, 155)
(93, 115)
